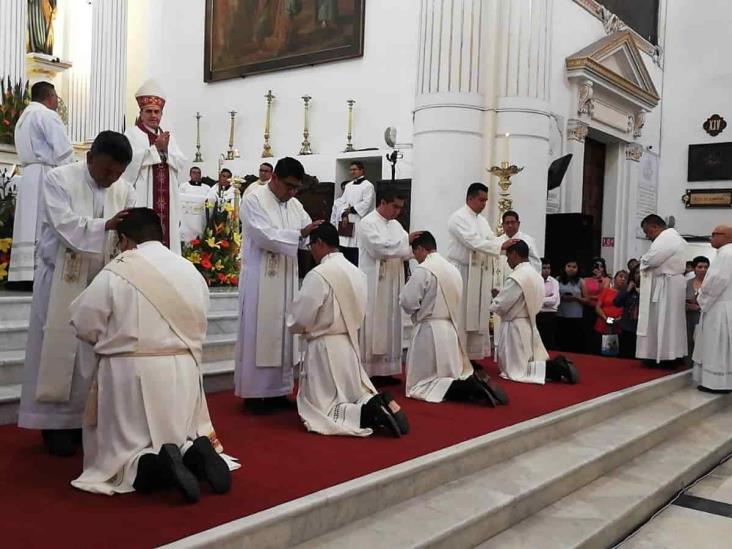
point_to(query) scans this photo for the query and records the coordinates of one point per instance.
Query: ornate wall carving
(577, 130)
(634, 152)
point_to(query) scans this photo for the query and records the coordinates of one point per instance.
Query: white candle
(506, 148)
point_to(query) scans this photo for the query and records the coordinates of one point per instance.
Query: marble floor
(700, 518)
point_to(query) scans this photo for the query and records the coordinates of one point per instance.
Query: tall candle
(506, 148)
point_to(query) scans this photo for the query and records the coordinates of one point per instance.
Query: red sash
(161, 189)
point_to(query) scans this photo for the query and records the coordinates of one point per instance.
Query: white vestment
(140, 174)
(216, 195)
(74, 246)
(189, 188)
(149, 389)
(435, 359)
(474, 249)
(268, 282)
(41, 143)
(661, 331)
(521, 353)
(502, 270)
(258, 184)
(192, 213)
(383, 247)
(328, 311)
(359, 196)
(713, 348)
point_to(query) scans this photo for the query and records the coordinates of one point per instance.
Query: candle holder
(305, 148)
(504, 174)
(349, 145)
(267, 149)
(232, 153)
(198, 157)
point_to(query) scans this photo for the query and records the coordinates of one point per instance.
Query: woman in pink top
(592, 287)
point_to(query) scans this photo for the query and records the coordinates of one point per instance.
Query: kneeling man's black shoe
(177, 474)
(59, 442)
(204, 462)
(375, 414)
(399, 416)
(149, 474)
(569, 371)
(713, 391)
(496, 391)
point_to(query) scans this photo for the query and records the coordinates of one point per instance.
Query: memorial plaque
(711, 162)
(708, 198)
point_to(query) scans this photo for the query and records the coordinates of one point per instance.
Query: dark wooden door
(593, 183)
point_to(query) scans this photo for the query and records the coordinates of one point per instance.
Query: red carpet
(281, 462)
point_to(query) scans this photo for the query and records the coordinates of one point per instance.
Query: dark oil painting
(246, 37)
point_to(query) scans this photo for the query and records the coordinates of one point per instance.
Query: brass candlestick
(198, 157)
(349, 145)
(504, 173)
(267, 149)
(232, 153)
(305, 148)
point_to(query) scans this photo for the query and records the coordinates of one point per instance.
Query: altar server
(222, 191)
(275, 223)
(662, 308)
(437, 366)
(82, 205)
(521, 353)
(350, 208)
(713, 348)
(42, 144)
(335, 396)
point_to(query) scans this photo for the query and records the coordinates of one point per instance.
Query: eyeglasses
(717, 234)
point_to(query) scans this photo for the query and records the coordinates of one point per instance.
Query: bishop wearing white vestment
(520, 352)
(157, 167)
(511, 231)
(335, 396)
(275, 224)
(474, 249)
(354, 204)
(82, 204)
(383, 248)
(713, 349)
(661, 334)
(437, 365)
(42, 144)
(145, 315)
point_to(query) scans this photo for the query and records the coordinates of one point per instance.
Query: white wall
(698, 83)
(381, 82)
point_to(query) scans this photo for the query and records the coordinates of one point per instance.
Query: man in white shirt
(194, 186)
(192, 202)
(350, 208)
(222, 191)
(511, 230)
(546, 320)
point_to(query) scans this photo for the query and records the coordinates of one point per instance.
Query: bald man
(713, 349)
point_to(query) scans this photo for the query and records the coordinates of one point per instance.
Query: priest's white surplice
(432, 297)
(216, 194)
(75, 211)
(474, 249)
(520, 352)
(268, 282)
(383, 248)
(149, 389)
(359, 195)
(713, 348)
(332, 386)
(192, 213)
(661, 331)
(42, 144)
(140, 174)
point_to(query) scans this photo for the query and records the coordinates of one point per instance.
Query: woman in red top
(591, 287)
(606, 310)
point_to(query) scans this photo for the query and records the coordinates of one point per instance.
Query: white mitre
(150, 93)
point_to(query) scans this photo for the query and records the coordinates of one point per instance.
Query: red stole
(161, 189)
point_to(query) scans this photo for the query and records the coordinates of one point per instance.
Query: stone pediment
(615, 64)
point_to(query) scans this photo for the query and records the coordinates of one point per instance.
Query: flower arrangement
(15, 98)
(7, 211)
(216, 252)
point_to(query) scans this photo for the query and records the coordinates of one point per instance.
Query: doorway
(593, 184)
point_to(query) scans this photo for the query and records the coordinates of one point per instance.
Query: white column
(448, 116)
(13, 36)
(108, 67)
(519, 98)
(627, 224)
(572, 186)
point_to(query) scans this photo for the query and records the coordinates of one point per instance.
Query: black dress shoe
(400, 417)
(284, 403)
(76, 436)
(262, 406)
(496, 391)
(375, 414)
(569, 371)
(177, 474)
(713, 391)
(385, 381)
(204, 462)
(59, 442)
(477, 366)
(149, 474)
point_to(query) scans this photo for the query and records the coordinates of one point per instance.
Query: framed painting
(711, 162)
(246, 37)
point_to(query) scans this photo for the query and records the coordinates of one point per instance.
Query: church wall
(381, 82)
(697, 84)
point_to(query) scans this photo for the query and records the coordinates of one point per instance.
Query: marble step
(605, 511)
(326, 516)
(476, 507)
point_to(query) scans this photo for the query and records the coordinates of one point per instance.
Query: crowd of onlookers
(579, 309)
